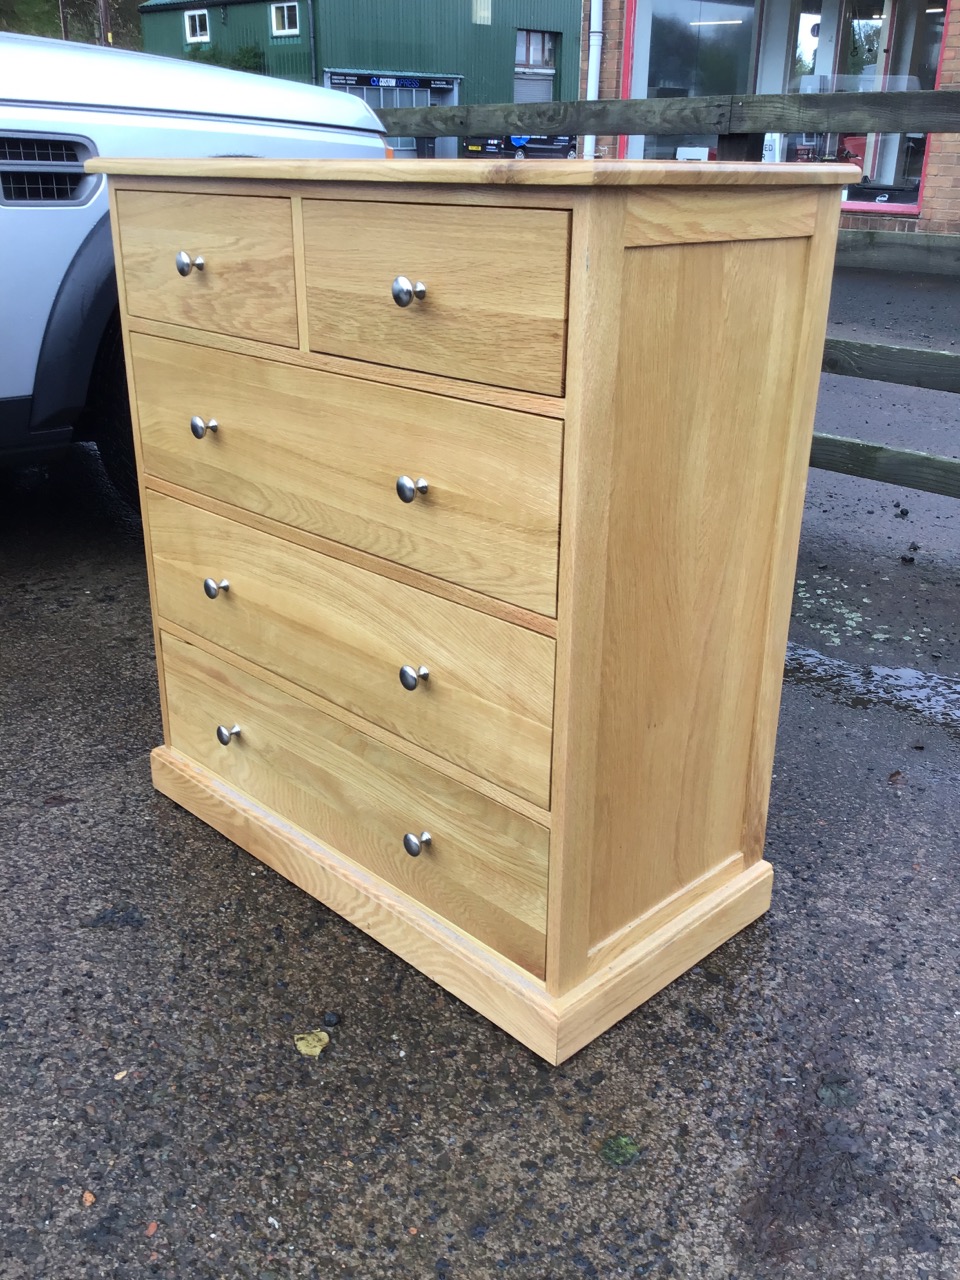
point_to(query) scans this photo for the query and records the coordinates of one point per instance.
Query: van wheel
(519, 154)
(108, 415)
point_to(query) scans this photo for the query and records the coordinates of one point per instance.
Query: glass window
(197, 26)
(536, 49)
(286, 19)
(881, 45)
(698, 47)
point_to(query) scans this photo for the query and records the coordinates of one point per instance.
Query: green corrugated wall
(426, 36)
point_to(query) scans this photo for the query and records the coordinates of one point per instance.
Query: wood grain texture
(554, 1029)
(363, 560)
(135, 431)
(797, 415)
(707, 354)
(659, 958)
(680, 217)
(693, 342)
(323, 454)
(596, 278)
(502, 173)
(637, 931)
(496, 279)
(344, 633)
(500, 795)
(451, 388)
(486, 868)
(486, 981)
(247, 284)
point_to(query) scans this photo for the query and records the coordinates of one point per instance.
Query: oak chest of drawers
(471, 497)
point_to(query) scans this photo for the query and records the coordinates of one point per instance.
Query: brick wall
(878, 222)
(611, 59)
(940, 210)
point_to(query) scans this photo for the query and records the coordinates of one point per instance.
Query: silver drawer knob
(403, 291)
(410, 677)
(213, 588)
(224, 734)
(185, 263)
(408, 489)
(200, 428)
(415, 845)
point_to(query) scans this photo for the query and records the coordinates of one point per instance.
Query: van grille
(40, 186)
(39, 151)
(38, 170)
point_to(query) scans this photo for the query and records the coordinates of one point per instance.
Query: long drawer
(324, 453)
(484, 867)
(486, 702)
(494, 302)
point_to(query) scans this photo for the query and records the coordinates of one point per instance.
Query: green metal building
(390, 52)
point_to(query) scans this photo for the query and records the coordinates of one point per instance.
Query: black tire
(519, 154)
(108, 415)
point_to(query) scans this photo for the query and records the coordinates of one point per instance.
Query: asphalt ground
(787, 1109)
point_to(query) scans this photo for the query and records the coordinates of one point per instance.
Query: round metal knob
(408, 489)
(224, 734)
(410, 677)
(185, 263)
(415, 845)
(404, 292)
(200, 428)
(213, 588)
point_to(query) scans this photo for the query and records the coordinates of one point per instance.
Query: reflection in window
(698, 48)
(881, 45)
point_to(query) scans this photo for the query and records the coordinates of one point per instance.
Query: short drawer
(344, 633)
(246, 287)
(484, 868)
(495, 305)
(323, 453)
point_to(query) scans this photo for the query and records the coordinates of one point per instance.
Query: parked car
(61, 359)
(523, 146)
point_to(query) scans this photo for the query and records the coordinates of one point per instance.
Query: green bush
(247, 58)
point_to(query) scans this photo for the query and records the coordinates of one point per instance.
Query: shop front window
(857, 46)
(694, 48)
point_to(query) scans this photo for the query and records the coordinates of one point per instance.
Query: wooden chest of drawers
(471, 496)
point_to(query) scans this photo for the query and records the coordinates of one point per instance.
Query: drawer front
(485, 868)
(323, 453)
(246, 287)
(496, 289)
(344, 633)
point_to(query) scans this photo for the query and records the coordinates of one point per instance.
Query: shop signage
(350, 80)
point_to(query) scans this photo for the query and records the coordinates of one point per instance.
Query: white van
(61, 359)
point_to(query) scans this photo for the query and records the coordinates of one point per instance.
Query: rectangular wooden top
(512, 173)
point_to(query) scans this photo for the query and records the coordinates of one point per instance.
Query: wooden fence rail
(924, 111)
(740, 121)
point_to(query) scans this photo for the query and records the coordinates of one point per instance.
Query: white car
(61, 360)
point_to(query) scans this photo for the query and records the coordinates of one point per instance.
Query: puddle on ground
(934, 697)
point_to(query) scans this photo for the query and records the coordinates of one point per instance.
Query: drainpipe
(593, 69)
(311, 27)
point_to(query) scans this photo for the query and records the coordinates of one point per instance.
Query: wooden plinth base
(553, 1027)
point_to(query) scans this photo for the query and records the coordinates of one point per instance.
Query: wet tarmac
(787, 1109)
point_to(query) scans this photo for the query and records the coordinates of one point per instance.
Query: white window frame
(197, 13)
(285, 31)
